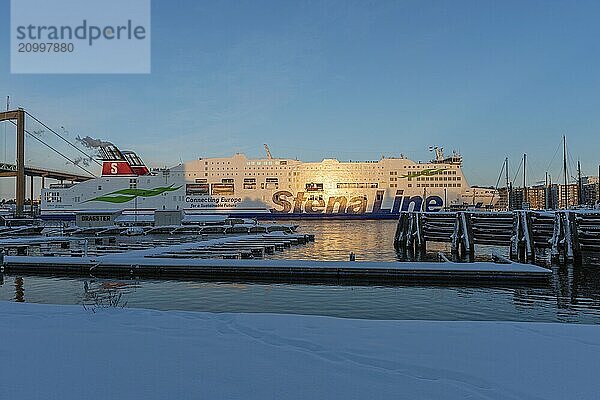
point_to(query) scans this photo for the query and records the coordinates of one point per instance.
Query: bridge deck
(10, 170)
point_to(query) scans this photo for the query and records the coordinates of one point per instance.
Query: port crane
(269, 156)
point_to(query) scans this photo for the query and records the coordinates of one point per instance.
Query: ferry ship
(270, 188)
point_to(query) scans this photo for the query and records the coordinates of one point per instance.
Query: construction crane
(269, 156)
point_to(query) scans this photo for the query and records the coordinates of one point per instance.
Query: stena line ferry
(270, 188)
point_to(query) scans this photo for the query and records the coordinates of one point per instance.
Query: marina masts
(565, 171)
(579, 183)
(525, 178)
(508, 188)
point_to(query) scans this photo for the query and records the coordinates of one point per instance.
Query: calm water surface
(573, 295)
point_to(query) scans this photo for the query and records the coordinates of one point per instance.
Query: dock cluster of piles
(567, 234)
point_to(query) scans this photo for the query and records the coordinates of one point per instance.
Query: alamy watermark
(80, 36)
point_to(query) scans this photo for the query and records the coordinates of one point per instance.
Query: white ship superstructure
(271, 187)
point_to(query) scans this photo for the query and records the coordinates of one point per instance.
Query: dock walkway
(287, 271)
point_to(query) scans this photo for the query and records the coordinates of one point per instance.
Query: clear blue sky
(347, 79)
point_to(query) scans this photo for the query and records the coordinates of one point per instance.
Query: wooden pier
(566, 233)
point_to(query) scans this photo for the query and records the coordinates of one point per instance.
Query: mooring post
(527, 236)
(454, 247)
(419, 232)
(410, 238)
(556, 236)
(571, 238)
(514, 239)
(568, 238)
(575, 234)
(402, 228)
(467, 235)
(399, 230)
(518, 240)
(521, 253)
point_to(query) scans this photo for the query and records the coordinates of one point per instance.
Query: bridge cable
(517, 173)
(63, 138)
(498, 183)
(56, 151)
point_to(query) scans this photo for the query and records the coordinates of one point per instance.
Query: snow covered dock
(281, 270)
(195, 259)
(66, 352)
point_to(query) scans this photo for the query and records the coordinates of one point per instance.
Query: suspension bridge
(20, 170)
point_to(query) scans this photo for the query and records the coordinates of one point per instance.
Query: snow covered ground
(66, 352)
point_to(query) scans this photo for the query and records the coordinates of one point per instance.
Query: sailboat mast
(508, 194)
(547, 192)
(525, 178)
(579, 184)
(565, 170)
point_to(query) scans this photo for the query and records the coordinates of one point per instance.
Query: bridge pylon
(18, 117)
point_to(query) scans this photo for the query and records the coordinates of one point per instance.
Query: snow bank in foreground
(65, 352)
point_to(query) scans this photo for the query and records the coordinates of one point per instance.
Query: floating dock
(240, 258)
(284, 271)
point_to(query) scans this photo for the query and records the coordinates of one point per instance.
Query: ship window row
(423, 166)
(217, 162)
(438, 178)
(53, 197)
(314, 187)
(224, 189)
(329, 167)
(221, 169)
(264, 173)
(270, 183)
(249, 183)
(357, 185)
(253, 168)
(441, 185)
(281, 162)
(206, 173)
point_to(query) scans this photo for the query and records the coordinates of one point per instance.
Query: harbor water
(573, 296)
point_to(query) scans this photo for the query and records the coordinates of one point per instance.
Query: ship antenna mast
(269, 156)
